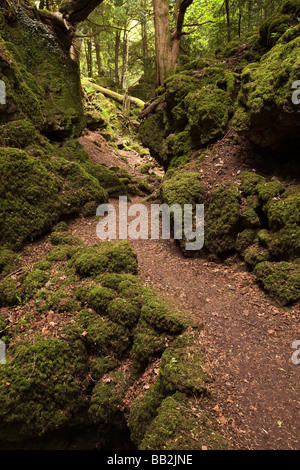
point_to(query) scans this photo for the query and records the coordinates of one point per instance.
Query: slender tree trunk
(229, 32)
(98, 57)
(240, 18)
(117, 53)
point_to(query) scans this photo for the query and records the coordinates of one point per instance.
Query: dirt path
(247, 336)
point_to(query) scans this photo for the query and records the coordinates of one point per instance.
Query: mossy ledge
(105, 331)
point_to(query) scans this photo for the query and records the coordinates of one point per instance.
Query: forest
(149, 226)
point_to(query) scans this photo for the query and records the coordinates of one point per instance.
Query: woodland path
(246, 335)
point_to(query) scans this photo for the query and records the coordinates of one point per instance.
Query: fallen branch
(150, 109)
(116, 96)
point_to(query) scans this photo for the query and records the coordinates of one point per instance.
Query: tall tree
(167, 43)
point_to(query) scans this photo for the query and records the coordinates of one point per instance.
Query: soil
(247, 336)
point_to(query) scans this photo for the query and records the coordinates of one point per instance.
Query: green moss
(9, 293)
(33, 281)
(100, 336)
(267, 191)
(107, 400)
(108, 179)
(148, 344)
(101, 365)
(8, 261)
(183, 366)
(45, 391)
(284, 211)
(107, 256)
(244, 240)
(256, 254)
(222, 220)
(250, 181)
(208, 113)
(285, 244)
(123, 312)
(182, 424)
(157, 314)
(281, 280)
(143, 410)
(182, 188)
(99, 299)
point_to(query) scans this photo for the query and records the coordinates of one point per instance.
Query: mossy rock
(285, 244)
(183, 366)
(143, 410)
(281, 280)
(157, 314)
(8, 261)
(9, 293)
(222, 220)
(264, 111)
(148, 344)
(99, 299)
(107, 399)
(113, 257)
(249, 182)
(42, 389)
(181, 423)
(100, 336)
(123, 312)
(244, 240)
(34, 281)
(256, 254)
(182, 188)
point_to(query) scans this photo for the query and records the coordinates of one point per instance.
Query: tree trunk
(75, 11)
(229, 32)
(116, 96)
(167, 45)
(117, 52)
(162, 40)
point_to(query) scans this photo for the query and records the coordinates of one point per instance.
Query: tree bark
(116, 96)
(167, 45)
(75, 11)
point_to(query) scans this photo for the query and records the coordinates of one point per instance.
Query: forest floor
(247, 336)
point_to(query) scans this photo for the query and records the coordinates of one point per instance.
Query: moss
(101, 365)
(250, 181)
(143, 410)
(264, 101)
(123, 312)
(107, 400)
(285, 244)
(33, 281)
(45, 391)
(182, 424)
(35, 195)
(284, 211)
(9, 293)
(271, 31)
(157, 314)
(183, 366)
(256, 254)
(208, 113)
(222, 220)
(108, 179)
(8, 261)
(148, 344)
(99, 299)
(244, 240)
(281, 280)
(249, 213)
(182, 188)
(100, 336)
(267, 191)
(108, 256)
(18, 134)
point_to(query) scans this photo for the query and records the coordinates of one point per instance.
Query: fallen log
(115, 96)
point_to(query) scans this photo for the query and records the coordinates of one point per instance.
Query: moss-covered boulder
(281, 280)
(265, 112)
